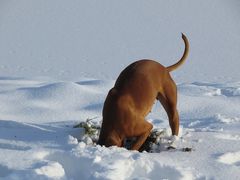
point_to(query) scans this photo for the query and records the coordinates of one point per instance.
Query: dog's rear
(132, 97)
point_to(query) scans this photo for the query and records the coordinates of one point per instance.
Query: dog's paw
(172, 145)
(172, 142)
(174, 138)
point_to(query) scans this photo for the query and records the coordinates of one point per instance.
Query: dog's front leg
(142, 131)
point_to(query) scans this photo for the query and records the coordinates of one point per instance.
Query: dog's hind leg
(169, 101)
(141, 131)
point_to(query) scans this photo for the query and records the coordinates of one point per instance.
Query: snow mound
(51, 170)
(231, 91)
(227, 120)
(52, 101)
(233, 137)
(210, 89)
(55, 90)
(98, 162)
(230, 158)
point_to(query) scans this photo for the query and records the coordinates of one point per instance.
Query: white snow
(42, 144)
(58, 59)
(230, 158)
(51, 170)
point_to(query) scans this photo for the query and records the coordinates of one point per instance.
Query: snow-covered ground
(58, 59)
(38, 140)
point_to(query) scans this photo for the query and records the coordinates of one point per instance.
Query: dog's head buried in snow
(131, 99)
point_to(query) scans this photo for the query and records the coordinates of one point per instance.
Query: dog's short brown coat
(131, 99)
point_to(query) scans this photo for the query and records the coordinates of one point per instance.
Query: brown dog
(131, 99)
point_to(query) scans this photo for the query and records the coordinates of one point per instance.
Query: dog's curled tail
(184, 57)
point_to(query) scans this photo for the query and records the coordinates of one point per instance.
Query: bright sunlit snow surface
(58, 59)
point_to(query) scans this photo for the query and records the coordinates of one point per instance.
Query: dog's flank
(131, 99)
